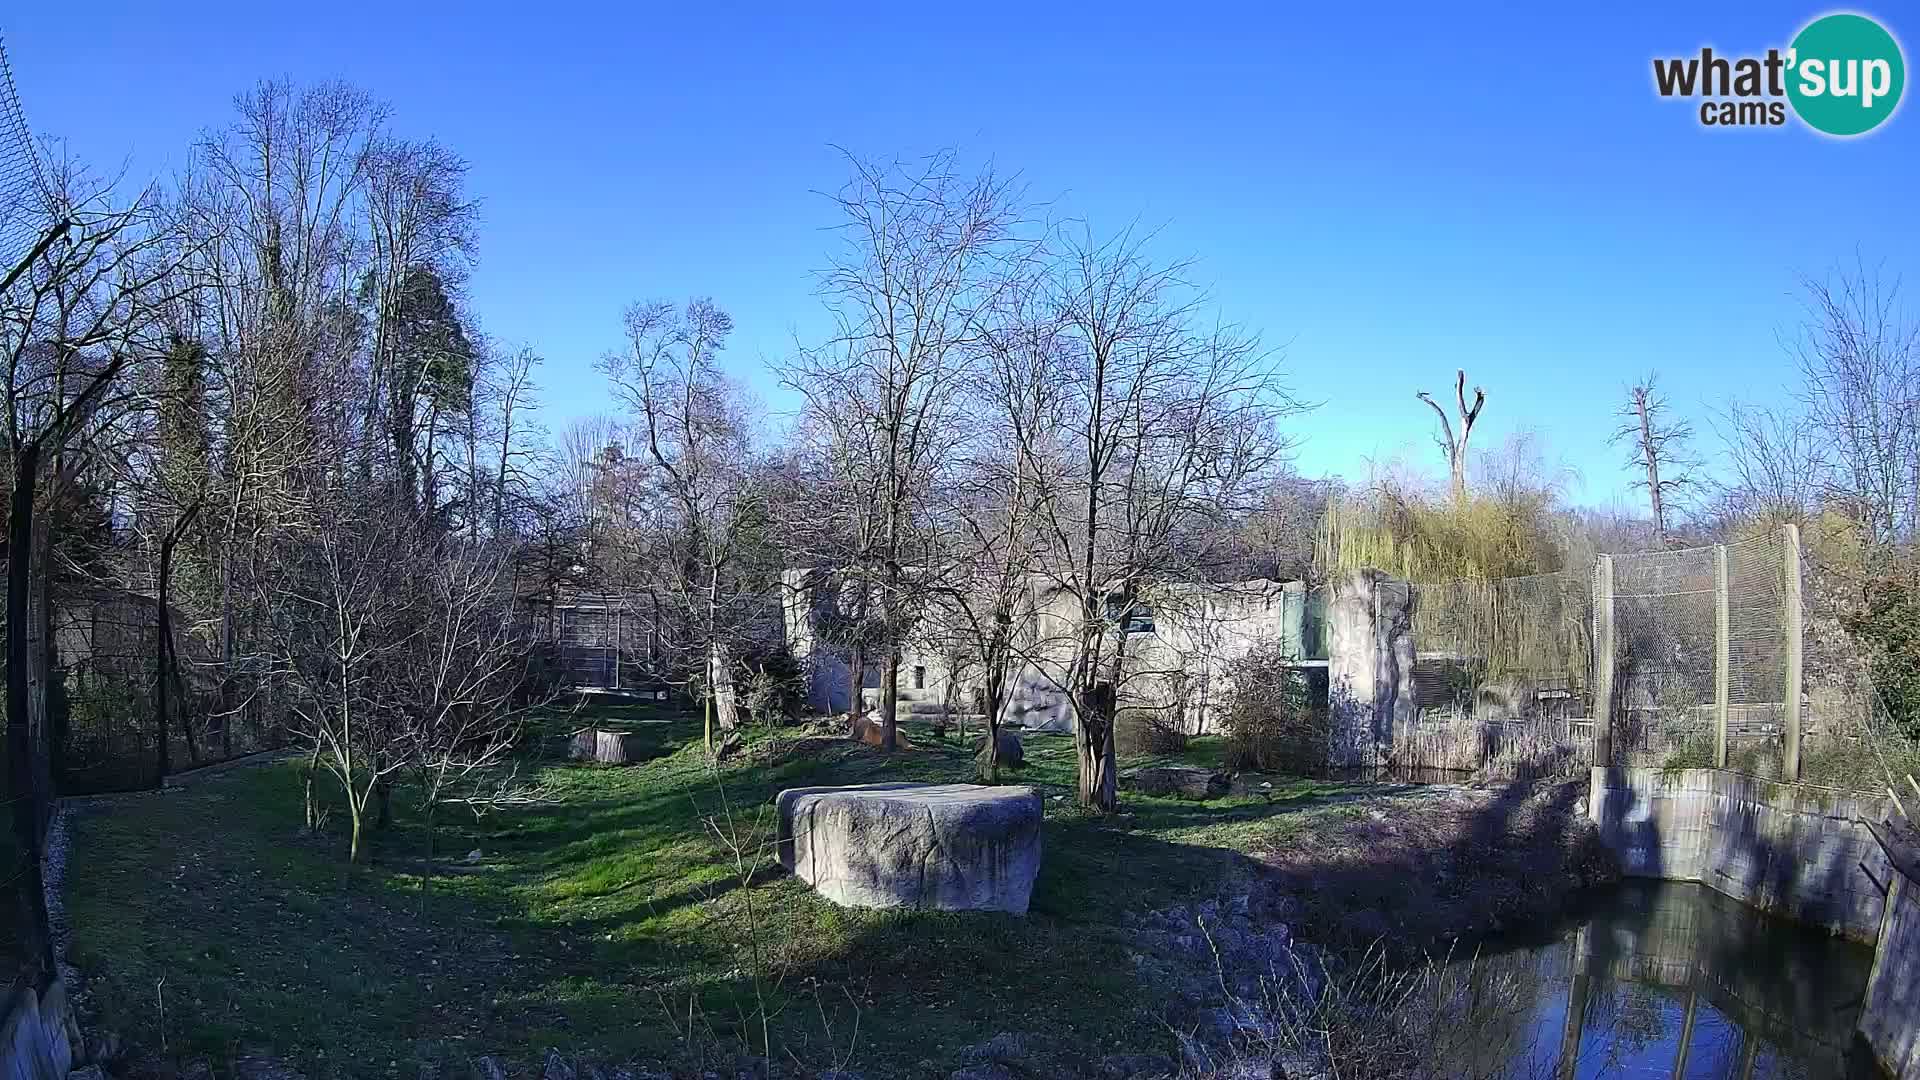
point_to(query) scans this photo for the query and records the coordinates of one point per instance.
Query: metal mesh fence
(602, 642)
(1501, 670)
(23, 190)
(1756, 644)
(105, 649)
(1664, 649)
(1519, 664)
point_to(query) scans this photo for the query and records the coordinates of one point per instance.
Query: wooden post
(1603, 663)
(1722, 656)
(1790, 534)
(1570, 1028)
(616, 648)
(1682, 1052)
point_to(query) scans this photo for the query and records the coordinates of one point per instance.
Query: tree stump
(607, 747)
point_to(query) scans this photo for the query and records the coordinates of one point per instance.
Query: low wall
(38, 1034)
(1890, 1012)
(1805, 852)
(1796, 850)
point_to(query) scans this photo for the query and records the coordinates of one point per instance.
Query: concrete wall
(1196, 631)
(1804, 852)
(38, 1035)
(1795, 850)
(1890, 1014)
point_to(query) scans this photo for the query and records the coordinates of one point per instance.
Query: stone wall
(1890, 1013)
(38, 1035)
(1795, 850)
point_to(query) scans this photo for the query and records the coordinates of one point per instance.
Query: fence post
(1722, 656)
(1603, 663)
(1790, 535)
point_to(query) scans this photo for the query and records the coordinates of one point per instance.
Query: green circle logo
(1845, 74)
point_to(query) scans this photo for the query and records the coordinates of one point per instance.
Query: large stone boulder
(952, 847)
(1184, 781)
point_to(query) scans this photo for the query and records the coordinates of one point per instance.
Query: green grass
(612, 920)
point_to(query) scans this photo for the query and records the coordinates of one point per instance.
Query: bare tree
(1658, 448)
(831, 528)
(1455, 447)
(1859, 356)
(924, 254)
(458, 688)
(516, 401)
(1774, 458)
(338, 625)
(980, 578)
(1142, 428)
(695, 431)
(75, 315)
(272, 209)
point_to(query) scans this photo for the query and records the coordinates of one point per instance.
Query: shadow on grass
(602, 922)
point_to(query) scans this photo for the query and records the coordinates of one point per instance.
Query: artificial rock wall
(1370, 656)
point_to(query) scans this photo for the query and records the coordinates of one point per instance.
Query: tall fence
(106, 733)
(1632, 658)
(603, 642)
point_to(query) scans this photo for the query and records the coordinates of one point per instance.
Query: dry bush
(1271, 721)
(1373, 1019)
(1140, 730)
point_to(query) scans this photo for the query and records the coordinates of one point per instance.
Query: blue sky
(1390, 192)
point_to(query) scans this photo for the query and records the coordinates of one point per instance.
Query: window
(919, 678)
(1137, 619)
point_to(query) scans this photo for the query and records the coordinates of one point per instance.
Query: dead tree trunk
(1456, 448)
(1653, 468)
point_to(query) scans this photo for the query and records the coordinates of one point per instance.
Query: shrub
(1271, 722)
(774, 688)
(1888, 630)
(1142, 730)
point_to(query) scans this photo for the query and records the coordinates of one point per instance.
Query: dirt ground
(1447, 862)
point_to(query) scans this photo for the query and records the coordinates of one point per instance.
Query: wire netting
(1756, 636)
(600, 642)
(1502, 669)
(1512, 663)
(106, 650)
(1664, 649)
(24, 201)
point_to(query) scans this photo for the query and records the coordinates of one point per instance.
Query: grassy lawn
(613, 921)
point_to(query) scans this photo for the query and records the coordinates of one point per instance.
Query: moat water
(1664, 979)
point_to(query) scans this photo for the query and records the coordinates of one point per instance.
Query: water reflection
(1665, 980)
